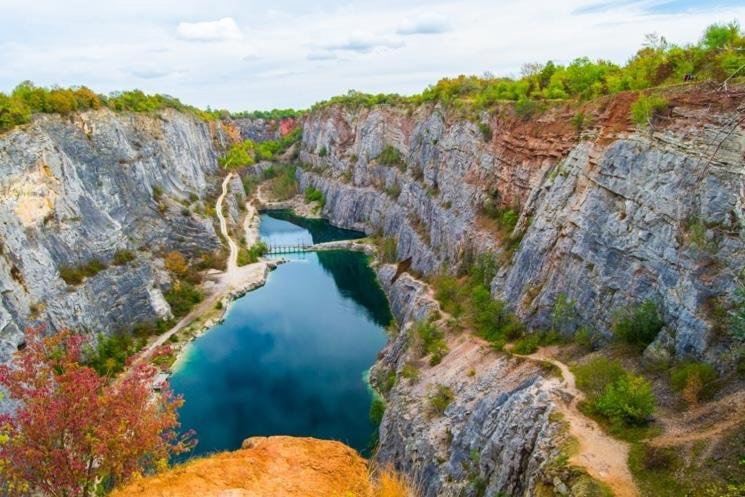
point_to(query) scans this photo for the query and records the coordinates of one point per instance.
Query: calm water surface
(291, 356)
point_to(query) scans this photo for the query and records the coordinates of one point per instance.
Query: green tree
(13, 111)
(719, 36)
(239, 155)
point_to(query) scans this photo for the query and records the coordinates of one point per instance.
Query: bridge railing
(289, 248)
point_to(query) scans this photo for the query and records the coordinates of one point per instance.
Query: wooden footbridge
(296, 248)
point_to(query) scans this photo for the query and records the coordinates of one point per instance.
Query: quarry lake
(290, 357)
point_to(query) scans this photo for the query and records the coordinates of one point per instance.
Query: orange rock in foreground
(264, 467)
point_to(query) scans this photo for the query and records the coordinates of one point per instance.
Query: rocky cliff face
(260, 130)
(78, 188)
(499, 433)
(609, 214)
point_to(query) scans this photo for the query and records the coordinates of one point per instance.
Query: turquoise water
(290, 357)
(282, 227)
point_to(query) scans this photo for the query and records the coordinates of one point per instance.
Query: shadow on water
(356, 280)
(320, 230)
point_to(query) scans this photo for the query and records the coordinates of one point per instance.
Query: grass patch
(646, 108)
(387, 249)
(393, 191)
(74, 275)
(391, 156)
(430, 341)
(439, 399)
(122, 257)
(655, 470)
(410, 372)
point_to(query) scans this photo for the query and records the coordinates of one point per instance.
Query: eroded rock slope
(610, 214)
(78, 188)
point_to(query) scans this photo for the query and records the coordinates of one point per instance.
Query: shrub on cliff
(182, 297)
(111, 352)
(430, 340)
(122, 257)
(74, 433)
(615, 394)
(694, 380)
(646, 108)
(440, 398)
(176, 263)
(284, 185)
(314, 195)
(252, 254)
(239, 155)
(390, 156)
(628, 400)
(74, 275)
(13, 112)
(377, 409)
(638, 325)
(527, 345)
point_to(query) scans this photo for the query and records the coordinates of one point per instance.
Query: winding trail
(708, 421)
(234, 279)
(233, 256)
(604, 457)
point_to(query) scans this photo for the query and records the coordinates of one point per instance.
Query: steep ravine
(609, 215)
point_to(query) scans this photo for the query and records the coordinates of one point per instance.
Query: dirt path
(707, 422)
(233, 278)
(233, 257)
(251, 225)
(604, 457)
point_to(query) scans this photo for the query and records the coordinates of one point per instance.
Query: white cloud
(363, 43)
(320, 55)
(222, 29)
(424, 25)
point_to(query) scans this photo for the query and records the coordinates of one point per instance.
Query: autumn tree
(176, 263)
(74, 433)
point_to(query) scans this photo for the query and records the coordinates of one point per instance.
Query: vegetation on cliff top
(268, 114)
(28, 99)
(720, 54)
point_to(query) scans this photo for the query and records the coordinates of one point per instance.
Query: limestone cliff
(78, 188)
(610, 214)
(499, 433)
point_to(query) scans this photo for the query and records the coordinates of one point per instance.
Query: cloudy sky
(246, 54)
